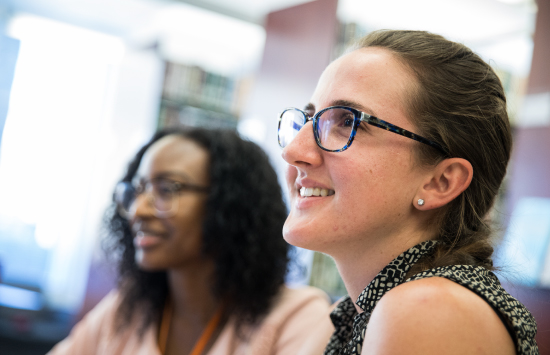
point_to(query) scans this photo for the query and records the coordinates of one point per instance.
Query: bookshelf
(347, 34)
(193, 96)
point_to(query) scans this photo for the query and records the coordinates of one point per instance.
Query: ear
(444, 183)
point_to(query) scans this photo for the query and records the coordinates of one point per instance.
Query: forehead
(175, 154)
(371, 77)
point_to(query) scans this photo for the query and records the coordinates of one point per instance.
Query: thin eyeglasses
(161, 194)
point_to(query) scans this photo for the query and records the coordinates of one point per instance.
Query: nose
(303, 149)
(142, 206)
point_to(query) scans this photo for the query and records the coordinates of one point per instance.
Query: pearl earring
(420, 202)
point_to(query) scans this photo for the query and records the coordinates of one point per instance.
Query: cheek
(190, 221)
(353, 179)
(368, 185)
(186, 227)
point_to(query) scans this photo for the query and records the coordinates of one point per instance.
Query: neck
(359, 264)
(191, 292)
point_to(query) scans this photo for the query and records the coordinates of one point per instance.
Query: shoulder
(297, 315)
(305, 300)
(91, 331)
(109, 303)
(435, 315)
(96, 334)
(103, 312)
(302, 294)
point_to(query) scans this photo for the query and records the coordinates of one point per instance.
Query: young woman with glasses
(197, 232)
(403, 214)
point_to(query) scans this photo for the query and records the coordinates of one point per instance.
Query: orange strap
(207, 333)
(200, 345)
(165, 326)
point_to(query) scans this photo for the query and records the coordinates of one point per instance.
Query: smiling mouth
(315, 192)
(144, 240)
(145, 232)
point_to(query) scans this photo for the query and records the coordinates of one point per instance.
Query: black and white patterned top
(351, 326)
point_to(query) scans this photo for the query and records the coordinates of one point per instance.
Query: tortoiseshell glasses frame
(335, 127)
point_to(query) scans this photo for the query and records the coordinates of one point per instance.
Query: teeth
(315, 191)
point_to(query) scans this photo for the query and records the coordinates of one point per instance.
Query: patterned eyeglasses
(335, 127)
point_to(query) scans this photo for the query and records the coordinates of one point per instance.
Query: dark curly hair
(242, 230)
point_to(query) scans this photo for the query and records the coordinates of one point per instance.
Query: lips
(147, 239)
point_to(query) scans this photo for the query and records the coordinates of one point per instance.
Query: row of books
(177, 115)
(194, 86)
(348, 33)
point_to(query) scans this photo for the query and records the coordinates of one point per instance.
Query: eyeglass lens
(292, 121)
(333, 127)
(161, 195)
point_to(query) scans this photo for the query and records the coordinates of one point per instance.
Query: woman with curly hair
(197, 231)
(403, 214)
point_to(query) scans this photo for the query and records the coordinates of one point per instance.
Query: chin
(300, 237)
(321, 235)
(145, 263)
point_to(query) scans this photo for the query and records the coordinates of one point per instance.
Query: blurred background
(84, 83)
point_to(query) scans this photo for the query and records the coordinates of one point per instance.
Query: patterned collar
(349, 325)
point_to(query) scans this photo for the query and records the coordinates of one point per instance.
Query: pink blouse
(294, 318)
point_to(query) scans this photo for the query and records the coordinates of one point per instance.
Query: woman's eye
(346, 121)
(165, 188)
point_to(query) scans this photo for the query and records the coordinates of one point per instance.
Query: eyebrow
(352, 104)
(168, 174)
